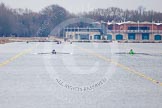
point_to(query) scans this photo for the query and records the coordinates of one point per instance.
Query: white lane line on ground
(16, 56)
(121, 66)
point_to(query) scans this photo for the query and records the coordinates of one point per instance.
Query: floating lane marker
(121, 66)
(17, 56)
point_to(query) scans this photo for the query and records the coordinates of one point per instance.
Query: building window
(132, 28)
(157, 37)
(90, 37)
(97, 37)
(70, 36)
(84, 36)
(76, 36)
(119, 37)
(145, 36)
(110, 27)
(109, 37)
(138, 28)
(131, 36)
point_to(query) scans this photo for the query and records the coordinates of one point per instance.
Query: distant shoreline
(4, 40)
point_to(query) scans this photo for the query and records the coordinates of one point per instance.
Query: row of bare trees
(20, 22)
(117, 14)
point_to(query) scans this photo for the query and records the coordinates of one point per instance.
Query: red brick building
(135, 31)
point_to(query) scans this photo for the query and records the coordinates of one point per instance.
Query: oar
(62, 53)
(44, 53)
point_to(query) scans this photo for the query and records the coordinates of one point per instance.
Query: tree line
(118, 15)
(26, 23)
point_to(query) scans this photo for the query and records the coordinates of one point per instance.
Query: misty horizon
(84, 6)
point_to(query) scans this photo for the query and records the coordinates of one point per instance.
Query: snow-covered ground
(81, 75)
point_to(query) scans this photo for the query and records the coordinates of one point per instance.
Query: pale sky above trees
(76, 6)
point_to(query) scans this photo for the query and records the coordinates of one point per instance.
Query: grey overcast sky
(76, 6)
